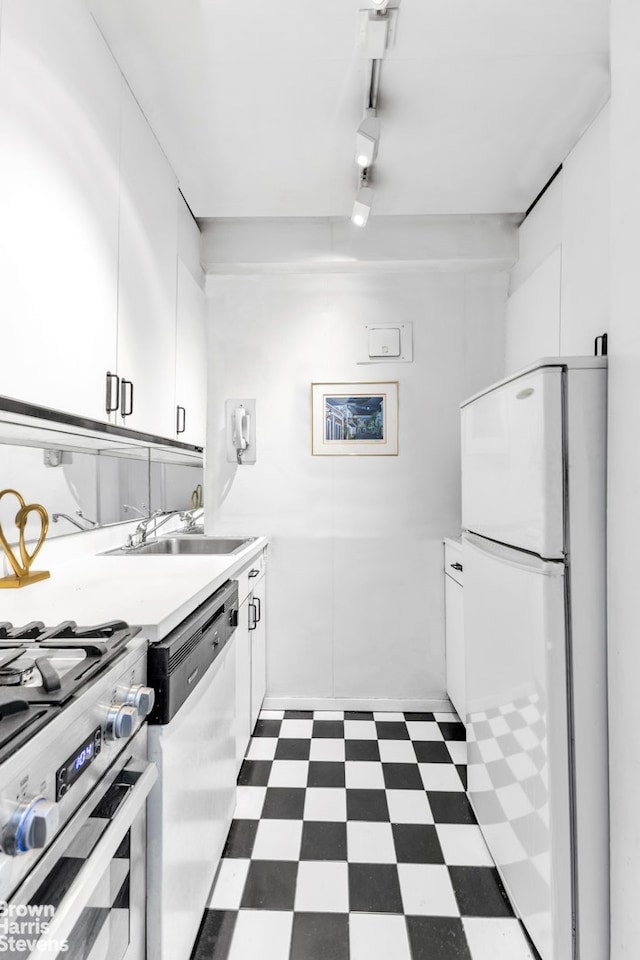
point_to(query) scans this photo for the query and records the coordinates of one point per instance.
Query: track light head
(367, 138)
(362, 206)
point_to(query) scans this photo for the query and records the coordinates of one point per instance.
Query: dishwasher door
(190, 809)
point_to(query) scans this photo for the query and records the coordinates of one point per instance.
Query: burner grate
(65, 657)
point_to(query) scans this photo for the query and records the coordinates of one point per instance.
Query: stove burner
(17, 672)
(53, 664)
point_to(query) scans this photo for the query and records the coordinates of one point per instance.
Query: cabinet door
(191, 358)
(258, 630)
(59, 183)
(454, 631)
(147, 275)
(242, 643)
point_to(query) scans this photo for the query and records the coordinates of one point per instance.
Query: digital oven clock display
(78, 762)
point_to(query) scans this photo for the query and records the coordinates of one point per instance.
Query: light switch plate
(384, 342)
(387, 343)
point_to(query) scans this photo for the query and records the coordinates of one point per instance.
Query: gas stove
(72, 699)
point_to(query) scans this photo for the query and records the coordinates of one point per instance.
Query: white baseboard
(431, 705)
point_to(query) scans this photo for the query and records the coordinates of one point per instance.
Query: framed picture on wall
(354, 419)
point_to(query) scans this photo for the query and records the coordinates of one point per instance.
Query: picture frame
(354, 419)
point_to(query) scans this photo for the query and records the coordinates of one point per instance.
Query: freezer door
(512, 473)
(517, 732)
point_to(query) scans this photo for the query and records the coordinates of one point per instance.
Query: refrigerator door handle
(513, 557)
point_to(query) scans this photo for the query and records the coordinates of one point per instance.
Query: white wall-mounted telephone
(240, 416)
(241, 431)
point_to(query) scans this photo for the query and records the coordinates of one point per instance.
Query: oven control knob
(142, 698)
(32, 825)
(121, 721)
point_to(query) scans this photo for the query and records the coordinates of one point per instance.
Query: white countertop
(154, 592)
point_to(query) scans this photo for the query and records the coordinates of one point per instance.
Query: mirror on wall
(85, 489)
(173, 484)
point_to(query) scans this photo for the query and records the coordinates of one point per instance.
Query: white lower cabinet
(454, 627)
(242, 642)
(258, 641)
(250, 640)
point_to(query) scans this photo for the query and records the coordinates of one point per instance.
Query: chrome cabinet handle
(181, 420)
(124, 410)
(253, 625)
(253, 573)
(110, 392)
(456, 566)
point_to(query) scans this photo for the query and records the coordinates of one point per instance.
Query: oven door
(85, 898)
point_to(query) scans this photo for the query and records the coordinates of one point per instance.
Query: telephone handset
(241, 431)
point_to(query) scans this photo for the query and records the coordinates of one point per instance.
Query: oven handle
(143, 775)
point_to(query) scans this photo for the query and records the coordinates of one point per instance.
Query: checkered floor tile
(353, 839)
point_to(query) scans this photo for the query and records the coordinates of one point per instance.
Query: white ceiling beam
(299, 244)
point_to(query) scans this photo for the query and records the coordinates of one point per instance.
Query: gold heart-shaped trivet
(21, 567)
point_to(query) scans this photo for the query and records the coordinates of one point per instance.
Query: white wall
(355, 564)
(624, 486)
(559, 289)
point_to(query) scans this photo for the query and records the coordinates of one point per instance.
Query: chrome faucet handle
(189, 517)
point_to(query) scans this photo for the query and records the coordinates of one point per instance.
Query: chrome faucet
(65, 516)
(140, 534)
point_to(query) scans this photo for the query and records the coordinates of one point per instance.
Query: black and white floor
(353, 839)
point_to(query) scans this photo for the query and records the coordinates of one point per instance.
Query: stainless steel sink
(191, 544)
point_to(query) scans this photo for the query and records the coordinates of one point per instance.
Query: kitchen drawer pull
(179, 420)
(126, 409)
(456, 566)
(110, 392)
(258, 604)
(253, 625)
(253, 573)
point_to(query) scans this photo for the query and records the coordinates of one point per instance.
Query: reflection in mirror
(175, 486)
(64, 482)
(82, 489)
(123, 485)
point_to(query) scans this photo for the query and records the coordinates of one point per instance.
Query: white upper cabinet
(59, 184)
(191, 334)
(90, 235)
(148, 251)
(191, 360)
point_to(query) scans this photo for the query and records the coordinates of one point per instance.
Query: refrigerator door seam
(571, 754)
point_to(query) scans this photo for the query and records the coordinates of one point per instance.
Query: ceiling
(256, 103)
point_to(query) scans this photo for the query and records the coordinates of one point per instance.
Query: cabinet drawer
(453, 561)
(249, 576)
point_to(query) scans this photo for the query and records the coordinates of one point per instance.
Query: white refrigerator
(533, 518)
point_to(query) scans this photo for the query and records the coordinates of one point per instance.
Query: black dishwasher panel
(176, 664)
